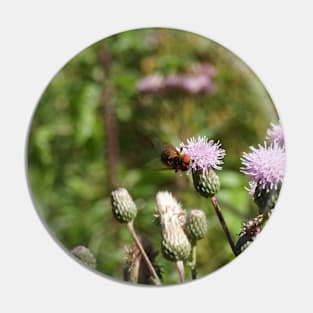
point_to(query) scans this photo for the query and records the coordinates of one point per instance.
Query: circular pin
(155, 156)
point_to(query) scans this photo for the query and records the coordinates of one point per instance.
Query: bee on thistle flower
(204, 153)
(205, 157)
(175, 159)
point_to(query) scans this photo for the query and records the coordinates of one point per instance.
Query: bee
(175, 159)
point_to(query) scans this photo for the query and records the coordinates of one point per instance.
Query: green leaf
(87, 105)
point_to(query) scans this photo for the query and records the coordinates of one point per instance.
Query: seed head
(136, 270)
(175, 244)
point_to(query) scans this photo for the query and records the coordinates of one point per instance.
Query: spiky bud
(123, 207)
(196, 225)
(175, 244)
(206, 182)
(85, 256)
(266, 199)
(250, 229)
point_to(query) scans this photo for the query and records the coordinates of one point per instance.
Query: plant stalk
(194, 262)
(142, 251)
(223, 223)
(181, 271)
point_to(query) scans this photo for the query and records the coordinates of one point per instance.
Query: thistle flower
(204, 154)
(275, 135)
(123, 207)
(175, 244)
(265, 166)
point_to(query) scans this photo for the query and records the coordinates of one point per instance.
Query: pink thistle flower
(204, 154)
(276, 135)
(264, 166)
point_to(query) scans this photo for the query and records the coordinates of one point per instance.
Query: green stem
(194, 262)
(143, 253)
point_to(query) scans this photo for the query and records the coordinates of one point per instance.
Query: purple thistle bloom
(264, 166)
(204, 154)
(276, 135)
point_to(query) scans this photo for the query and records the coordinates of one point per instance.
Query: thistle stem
(223, 223)
(180, 270)
(194, 262)
(142, 251)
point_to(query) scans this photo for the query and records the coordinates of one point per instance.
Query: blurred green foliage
(67, 148)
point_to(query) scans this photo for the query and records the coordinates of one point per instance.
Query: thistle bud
(206, 182)
(175, 244)
(250, 229)
(85, 256)
(196, 225)
(123, 207)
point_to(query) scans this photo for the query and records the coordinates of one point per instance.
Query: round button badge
(155, 156)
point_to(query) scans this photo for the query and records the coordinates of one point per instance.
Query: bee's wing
(160, 147)
(153, 164)
(156, 165)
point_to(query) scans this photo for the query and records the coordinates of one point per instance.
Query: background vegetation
(93, 131)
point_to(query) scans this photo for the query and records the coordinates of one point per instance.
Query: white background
(274, 38)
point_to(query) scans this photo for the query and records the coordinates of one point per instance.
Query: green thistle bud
(175, 244)
(266, 199)
(250, 229)
(123, 207)
(206, 182)
(196, 225)
(85, 256)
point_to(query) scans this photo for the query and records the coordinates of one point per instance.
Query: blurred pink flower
(203, 69)
(150, 84)
(197, 79)
(197, 84)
